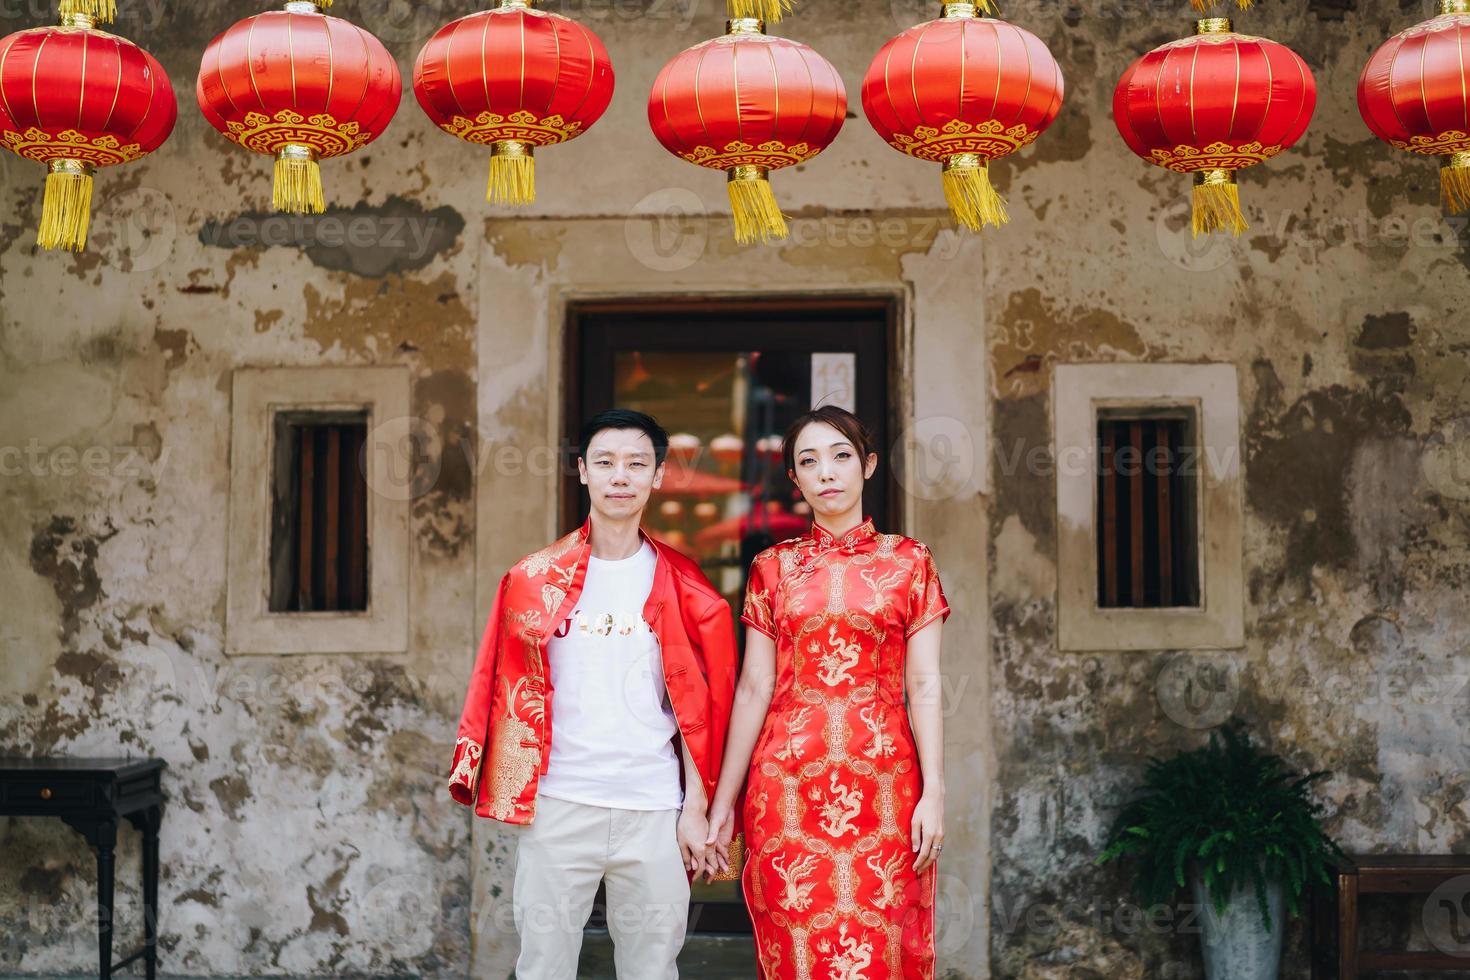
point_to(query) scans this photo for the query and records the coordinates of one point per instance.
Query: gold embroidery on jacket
(563, 576)
(528, 621)
(467, 769)
(514, 765)
(539, 563)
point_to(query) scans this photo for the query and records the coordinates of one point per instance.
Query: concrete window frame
(258, 395)
(1211, 391)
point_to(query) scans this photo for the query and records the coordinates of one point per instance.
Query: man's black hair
(623, 418)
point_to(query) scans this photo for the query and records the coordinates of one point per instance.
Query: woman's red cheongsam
(834, 778)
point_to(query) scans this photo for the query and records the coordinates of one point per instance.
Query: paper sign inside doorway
(834, 380)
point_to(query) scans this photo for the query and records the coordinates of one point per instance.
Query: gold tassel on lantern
(1217, 203)
(99, 11)
(512, 173)
(298, 181)
(1454, 183)
(767, 10)
(757, 216)
(66, 206)
(972, 199)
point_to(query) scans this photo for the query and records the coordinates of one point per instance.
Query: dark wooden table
(93, 796)
(1335, 951)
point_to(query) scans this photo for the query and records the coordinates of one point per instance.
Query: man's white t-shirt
(612, 727)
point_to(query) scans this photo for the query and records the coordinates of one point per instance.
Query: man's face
(619, 472)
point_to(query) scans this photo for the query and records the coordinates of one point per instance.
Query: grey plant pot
(1235, 945)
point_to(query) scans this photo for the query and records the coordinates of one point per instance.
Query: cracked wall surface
(308, 831)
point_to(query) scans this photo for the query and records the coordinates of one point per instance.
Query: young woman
(844, 805)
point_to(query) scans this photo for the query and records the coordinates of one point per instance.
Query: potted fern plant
(1240, 830)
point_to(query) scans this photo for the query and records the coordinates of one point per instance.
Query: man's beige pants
(564, 851)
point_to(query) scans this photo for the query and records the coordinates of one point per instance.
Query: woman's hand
(927, 829)
(721, 831)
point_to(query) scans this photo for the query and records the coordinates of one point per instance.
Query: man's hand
(693, 828)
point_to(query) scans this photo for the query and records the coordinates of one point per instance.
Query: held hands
(717, 840)
(692, 831)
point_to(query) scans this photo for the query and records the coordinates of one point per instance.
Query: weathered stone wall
(1343, 309)
(308, 831)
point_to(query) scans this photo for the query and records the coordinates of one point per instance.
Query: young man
(625, 643)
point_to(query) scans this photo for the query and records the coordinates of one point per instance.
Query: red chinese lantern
(515, 78)
(1412, 95)
(747, 104)
(76, 98)
(1213, 104)
(302, 87)
(963, 91)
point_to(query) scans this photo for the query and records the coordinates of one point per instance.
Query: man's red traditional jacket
(505, 731)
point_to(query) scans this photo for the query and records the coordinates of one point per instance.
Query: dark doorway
(725, 377)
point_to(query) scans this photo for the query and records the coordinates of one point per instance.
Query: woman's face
(829, 473)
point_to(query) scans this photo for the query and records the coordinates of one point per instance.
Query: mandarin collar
(824, 538)
(584, 535)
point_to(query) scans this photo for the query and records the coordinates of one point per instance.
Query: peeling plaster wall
(1344, 311)
(308, 831)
